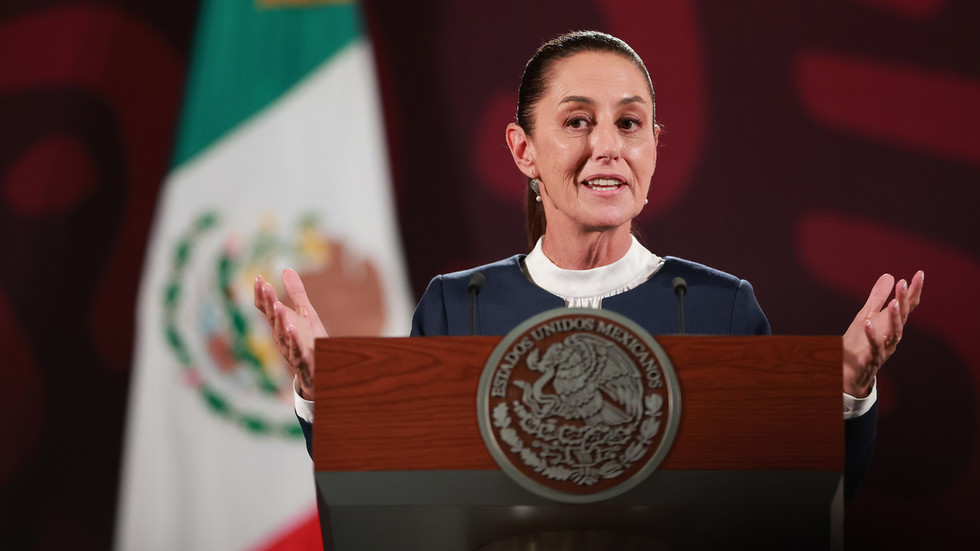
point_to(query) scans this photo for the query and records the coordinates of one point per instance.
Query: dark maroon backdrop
(808, 148)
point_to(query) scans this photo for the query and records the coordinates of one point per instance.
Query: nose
(606, 142)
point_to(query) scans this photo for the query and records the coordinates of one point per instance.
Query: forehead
(597, 75)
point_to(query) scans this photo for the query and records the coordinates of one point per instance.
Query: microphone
(476, 285)
(680, 289)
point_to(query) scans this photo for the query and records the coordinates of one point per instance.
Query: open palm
(294, 330)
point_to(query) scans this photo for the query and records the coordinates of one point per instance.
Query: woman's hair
(535, 81)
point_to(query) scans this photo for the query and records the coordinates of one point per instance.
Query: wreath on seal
(580, 454)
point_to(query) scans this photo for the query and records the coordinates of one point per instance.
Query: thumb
(297, 292)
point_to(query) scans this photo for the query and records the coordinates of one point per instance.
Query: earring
(646, 201)
(534, 187)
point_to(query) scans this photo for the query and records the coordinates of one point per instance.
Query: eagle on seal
(593, 380)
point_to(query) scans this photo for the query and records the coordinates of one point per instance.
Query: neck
(587, 249)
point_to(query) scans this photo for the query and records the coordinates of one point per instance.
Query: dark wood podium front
(756, 463)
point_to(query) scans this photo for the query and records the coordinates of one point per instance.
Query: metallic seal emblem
(578, 405)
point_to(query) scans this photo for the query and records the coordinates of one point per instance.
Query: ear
(656, 143)
(522, 150)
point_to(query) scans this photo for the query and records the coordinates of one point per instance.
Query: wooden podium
(756, 463)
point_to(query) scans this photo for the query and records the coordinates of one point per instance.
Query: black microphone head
(476, 283)
(679, 285)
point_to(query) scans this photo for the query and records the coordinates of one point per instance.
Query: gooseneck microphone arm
(476, 285)
(680, 289)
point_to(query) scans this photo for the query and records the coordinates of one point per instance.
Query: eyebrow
(589, 101)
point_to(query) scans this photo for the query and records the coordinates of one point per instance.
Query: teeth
(603, 184)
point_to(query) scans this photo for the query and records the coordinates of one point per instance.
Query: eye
(629, 123)
(577, 123)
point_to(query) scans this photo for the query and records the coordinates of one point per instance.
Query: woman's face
(594, 147)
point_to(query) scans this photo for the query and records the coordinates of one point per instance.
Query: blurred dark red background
(809, 147)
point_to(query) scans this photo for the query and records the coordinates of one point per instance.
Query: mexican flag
(280, 162)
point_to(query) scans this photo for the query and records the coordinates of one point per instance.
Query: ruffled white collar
(587, 288)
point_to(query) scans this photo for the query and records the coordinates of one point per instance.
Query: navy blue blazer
(716, 303)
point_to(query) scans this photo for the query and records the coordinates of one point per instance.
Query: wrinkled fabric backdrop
(808, 148)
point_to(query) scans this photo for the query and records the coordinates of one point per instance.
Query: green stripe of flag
(246, 55)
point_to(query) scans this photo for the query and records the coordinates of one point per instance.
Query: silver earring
(646, 201)
(534, 188)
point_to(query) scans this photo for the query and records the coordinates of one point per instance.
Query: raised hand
(293, 329)
(876, 331)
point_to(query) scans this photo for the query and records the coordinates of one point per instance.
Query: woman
(586, 138)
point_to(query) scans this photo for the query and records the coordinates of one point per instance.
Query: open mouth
(604, 184)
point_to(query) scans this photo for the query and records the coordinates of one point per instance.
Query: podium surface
(757, 459)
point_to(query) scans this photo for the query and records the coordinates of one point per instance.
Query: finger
(875, 345)
(268, 298)
(302, 349)
(879, 294)
(262, 296)
(902, 296)
(297, 292)
(257, 293)
(282, 317)
(300, 357)
(897, 323)
(291, 341)
(294, 351)
(290, 350)
(915, 289)
(274, 321)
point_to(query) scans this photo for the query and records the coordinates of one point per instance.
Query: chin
(615, 219)
(606, 224)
